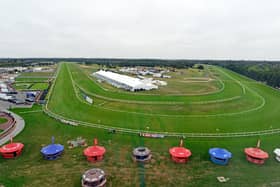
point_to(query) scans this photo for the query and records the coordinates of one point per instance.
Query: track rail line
(162, 102)
(147, 94)
(178, 115)
(167, 134)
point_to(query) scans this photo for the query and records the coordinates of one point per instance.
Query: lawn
(85, 82)
(34, 77)
(22, 86)
(31, 170)
(36, 74)
(2, 120)
(31, 79)
(182, 82)
(189, 117)
(31, 85)
(39, 86)
(254, 107)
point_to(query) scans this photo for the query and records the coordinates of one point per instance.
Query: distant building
(5, 97)
(166, 76)
(158, 75)
(37, 69)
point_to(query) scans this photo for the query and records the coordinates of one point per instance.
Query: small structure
(31, 94)
(219, 156)
(141, 154)
(79, 142)
(94, 153)
(94, 178)
(11, 150)
(180, 154)
(255, 154)
(222, 179)
(31, 97)
(52, 151)
(150, 135)
(277, 154)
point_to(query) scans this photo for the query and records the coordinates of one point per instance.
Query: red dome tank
(11, 150)
(180, 154)
(94, 153)
(256, 155)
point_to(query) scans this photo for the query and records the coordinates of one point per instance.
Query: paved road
(4, 105)
(19, 126)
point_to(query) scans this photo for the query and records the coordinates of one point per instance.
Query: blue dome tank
(219, 156)
(52, 151)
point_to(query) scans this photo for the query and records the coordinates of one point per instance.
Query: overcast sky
(197, 29)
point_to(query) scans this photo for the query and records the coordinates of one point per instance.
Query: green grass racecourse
(189, 81)
(31, 86)
(39, 86)
(27, 77)
(243, 105)
(31, 170)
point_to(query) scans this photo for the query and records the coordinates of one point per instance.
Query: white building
(5, 97)
(166, 76)
(123, 81)
(158, 75)
(3, 85)
(37, 69)
(4, 90)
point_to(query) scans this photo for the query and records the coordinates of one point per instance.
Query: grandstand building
(124, 81)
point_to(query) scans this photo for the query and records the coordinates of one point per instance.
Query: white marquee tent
(124, 81)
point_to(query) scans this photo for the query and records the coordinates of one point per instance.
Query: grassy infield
(181, 83)
(33, 81)
(31, 86)
(31, 170)
(2, 120)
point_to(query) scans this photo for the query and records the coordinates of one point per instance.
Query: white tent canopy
(124, 81)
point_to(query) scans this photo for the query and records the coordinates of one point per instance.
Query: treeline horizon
(264, 71)
(130, 61)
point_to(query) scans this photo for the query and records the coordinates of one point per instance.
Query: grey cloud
(216, 29)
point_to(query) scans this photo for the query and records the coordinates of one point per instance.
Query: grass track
(81, 79)
(31, 170)
(193, 108)
(191, 86)
(233, 123)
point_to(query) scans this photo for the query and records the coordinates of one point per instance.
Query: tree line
(268, 73)
(264, 71)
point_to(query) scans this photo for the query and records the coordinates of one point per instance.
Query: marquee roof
(132, 82)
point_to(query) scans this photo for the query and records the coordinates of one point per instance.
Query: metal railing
(69, 121)
(167, 134)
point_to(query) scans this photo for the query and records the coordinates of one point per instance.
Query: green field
(224, 110)
(27, 77)
(31, 85)
(22, 86)
(2, 120)
(182, 82)
(36, 74)
(31, 79)
(39, 86)
(241, 106)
